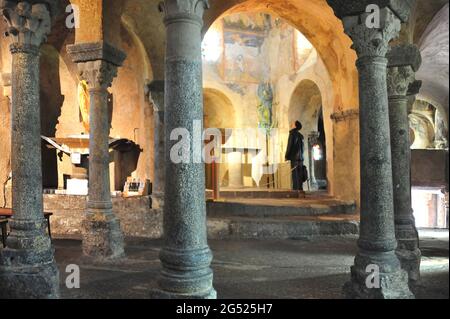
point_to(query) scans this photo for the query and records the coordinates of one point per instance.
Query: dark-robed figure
(294, 154)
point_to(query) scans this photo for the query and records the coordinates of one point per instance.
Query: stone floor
(251, 269)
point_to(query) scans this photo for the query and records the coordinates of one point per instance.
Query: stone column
(97, 64)
(377, 243)
(313, 137)
(156, 91)
(185, 257)
(404, 61)
(27, 265)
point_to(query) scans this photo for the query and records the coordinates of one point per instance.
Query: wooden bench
(7, 213)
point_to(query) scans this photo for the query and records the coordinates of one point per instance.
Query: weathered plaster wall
(131, 112)
(315, 19)
(336, 85)
(429, 168)
(434, 72)
(5, 113)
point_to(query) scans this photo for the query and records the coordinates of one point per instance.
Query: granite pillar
(97, 64)
(376, 273)
(404, 61)
(27, 266)
(185, 257)
(313, 138)
(156, 91)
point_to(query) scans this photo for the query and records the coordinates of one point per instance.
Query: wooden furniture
(6, 213)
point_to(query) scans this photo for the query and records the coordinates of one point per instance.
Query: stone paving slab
(246, 269)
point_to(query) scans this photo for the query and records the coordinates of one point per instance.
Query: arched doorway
(306, 106)
(316, 21)
(219, 114)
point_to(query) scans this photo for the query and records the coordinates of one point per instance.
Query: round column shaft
(27, 266)
(377, 243)
(185, 256)
(102, 236)
(403, 61)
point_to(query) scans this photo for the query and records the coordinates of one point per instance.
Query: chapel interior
(97, 97)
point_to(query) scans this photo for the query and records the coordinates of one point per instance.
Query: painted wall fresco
(256, 61)
(255, 48)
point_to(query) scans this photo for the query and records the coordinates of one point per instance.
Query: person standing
(294, 154)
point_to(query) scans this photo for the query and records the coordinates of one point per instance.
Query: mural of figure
(83, 103)
(265, 95)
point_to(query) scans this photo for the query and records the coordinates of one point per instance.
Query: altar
(73, 164)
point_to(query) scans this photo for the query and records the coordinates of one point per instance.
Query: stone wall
(136, 216)
(429, 168)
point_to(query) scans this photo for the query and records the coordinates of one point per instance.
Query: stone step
(277, 208)
(299, 227)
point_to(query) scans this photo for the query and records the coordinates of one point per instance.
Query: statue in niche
(265, 95)
(83, 103)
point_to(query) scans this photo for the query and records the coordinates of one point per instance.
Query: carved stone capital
(94, 51)
(414, 88)
(97, 62)
(176, 10)
(345, 8)
(371, 41)
(403, 62)
(313, 138)
(405, 55)
(399, 78)
(29, 24)
(98, 74)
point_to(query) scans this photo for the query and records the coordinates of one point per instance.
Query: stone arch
(423, 134)
(308, 106)
(434, 71)
(305, 104)
(219, 111)
(316, 21)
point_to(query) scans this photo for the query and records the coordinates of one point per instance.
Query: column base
(102, 237)
(158, 200)
(161, 294)
(27, 266)
(186, 273)
(410, 261)
(392, 283)
(29, 281)
(408, 251)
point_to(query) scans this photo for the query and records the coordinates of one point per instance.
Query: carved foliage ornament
(28, 24)
(371, 41)
(98, 74)
(183, 7)
(399, 79)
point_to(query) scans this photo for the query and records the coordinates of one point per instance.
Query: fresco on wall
(242, 56)
(259, 48)
(83, 104)
(265, 108)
